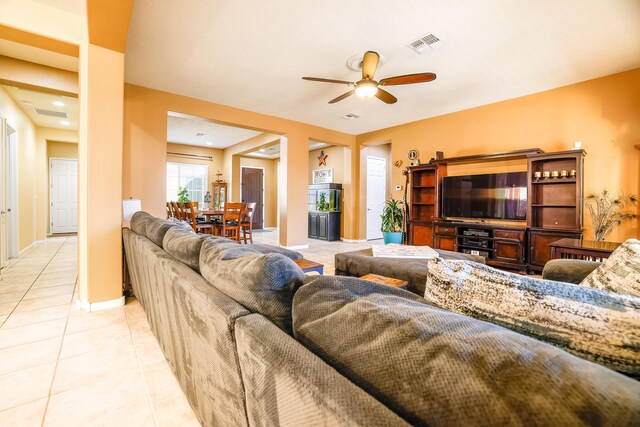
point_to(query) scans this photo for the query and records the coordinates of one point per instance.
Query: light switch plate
(398, 187)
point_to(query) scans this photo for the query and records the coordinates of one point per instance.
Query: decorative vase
(392, 237)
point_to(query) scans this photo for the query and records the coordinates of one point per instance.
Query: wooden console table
(308, 266)
(589, 250)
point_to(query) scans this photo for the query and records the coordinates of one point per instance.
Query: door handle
(369, 210)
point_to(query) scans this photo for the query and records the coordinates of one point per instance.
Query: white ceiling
(252, 55)
(273, 151)
(184, 129)
(29, 100)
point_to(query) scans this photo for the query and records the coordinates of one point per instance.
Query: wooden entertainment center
(554, 210)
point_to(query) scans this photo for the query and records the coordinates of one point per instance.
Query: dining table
(209, 213)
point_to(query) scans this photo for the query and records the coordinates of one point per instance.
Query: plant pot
(392, 237)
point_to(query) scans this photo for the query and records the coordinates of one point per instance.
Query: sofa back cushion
(157, 228)
(139, 222)
(620, 272)
(271, 249)
(597, 325)
(263, 283)
(184, 246)
(436, 367)
(288, 385)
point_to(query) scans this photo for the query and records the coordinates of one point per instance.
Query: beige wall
(144, 161)
(270, 187)
(214, 165)
(27, 168)
(338, 160)
(603, 113)
(59, 150)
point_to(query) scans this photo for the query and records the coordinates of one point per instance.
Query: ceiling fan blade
(385, 96)
(408, 79)
(341, 97)
(370, 64)
(318, 79)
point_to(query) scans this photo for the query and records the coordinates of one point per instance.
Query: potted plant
(392, 222)
(608, 211)
(183, 195)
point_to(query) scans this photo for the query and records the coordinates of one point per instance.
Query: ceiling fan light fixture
(366, 89)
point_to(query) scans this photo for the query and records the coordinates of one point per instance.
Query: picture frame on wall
(322, 176)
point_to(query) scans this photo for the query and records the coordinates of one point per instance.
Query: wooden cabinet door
(323, 226)
(313, 225)
(539, 250)
(422, 235)
(447, 243)
(507, 251)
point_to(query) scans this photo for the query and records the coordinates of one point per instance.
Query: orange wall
(603, 113)
(144, 160)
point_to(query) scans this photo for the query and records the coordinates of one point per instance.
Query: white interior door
(64, 196)
(376, 195)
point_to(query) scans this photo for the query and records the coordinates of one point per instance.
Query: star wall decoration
(322, 159)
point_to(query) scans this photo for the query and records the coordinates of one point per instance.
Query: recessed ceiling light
(209, 143)
(262, 150)
(58, 103)
(64, 123)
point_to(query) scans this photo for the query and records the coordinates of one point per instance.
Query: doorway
(252, 190)
(376, 195)
(8, 193)
(64, 195)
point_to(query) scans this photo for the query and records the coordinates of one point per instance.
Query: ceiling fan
(367, 87)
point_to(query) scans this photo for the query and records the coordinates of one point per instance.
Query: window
(193, 177)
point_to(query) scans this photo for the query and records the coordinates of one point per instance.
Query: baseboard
(295, 248)
(28, 248)
(98, 306)
(353, 240)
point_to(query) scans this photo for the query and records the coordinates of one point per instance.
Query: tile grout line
(64, 332)
(34, 281)
(144, 378)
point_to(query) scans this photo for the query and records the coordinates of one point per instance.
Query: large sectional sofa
(253, 341)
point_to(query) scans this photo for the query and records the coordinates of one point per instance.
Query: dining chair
(247, 223)
(198, 227)
(231, 219)
(169, 210)
(177, 211)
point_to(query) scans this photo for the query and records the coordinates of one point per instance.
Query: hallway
(60, 366)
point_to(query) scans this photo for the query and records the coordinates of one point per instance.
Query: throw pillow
(597, 325)
(620, 272)
(435, 367)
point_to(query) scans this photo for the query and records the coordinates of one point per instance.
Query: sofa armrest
(568, 270)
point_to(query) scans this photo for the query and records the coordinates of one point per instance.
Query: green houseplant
(392, 222)
(183, 195)
(322, 205)
(608, 211)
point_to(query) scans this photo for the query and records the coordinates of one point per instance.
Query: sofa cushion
(271, 249)
(139, 222)
(414, 271)
(184, 246)
(262, 283)
(600, 326)
(620, 272)
(157, 228)
(436, 367)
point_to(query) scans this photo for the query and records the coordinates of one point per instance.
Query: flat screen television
(488, 196)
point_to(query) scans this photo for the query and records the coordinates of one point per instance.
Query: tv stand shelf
(502, 245)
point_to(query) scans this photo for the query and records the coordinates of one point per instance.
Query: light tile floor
(60, 366)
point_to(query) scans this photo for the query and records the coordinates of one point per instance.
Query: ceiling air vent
(58, 114)
(351, 116)
(421, 44)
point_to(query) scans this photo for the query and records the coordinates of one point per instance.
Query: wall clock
(413, 154)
